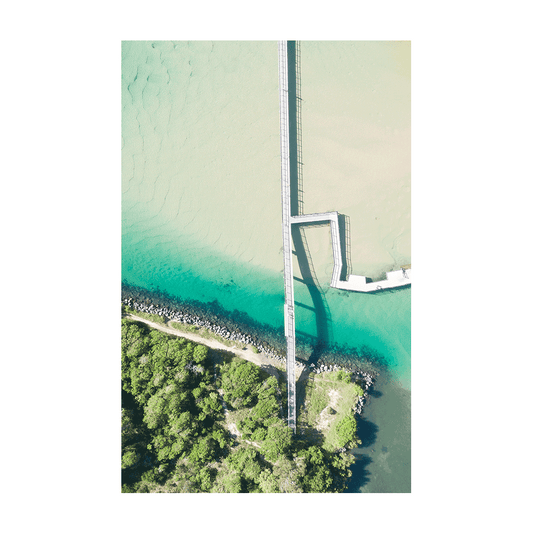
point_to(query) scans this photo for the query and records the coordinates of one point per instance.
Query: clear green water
(375, 325)
(201, 216)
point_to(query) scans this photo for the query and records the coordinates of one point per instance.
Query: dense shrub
(173, 438)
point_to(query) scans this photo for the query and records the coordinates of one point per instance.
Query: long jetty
(396, 278)
(287, 242)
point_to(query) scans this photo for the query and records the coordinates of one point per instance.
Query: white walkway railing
(286, 222)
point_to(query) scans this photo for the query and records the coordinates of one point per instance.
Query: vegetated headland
(204, 410)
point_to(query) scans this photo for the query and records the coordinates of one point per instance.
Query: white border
(419, 33)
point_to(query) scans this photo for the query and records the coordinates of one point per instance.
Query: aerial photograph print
(265, 267)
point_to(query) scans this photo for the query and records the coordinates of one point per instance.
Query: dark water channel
(384, 457)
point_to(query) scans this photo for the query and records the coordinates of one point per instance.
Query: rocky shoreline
(364, 378)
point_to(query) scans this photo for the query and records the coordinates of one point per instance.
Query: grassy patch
(187, 328)
(235, 416)
(327, 401)
(316, 399)
(206, 334)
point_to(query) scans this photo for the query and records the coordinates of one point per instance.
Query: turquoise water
(201, 221)
(375, 325)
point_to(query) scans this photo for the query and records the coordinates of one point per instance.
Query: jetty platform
(395, 278)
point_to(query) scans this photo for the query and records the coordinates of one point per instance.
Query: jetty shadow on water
(320, 306)
(295, 127)
(301, 249)
(345, 242)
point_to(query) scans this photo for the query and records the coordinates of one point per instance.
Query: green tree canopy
(240, 381)
(347, 432)
(130, 456)
(174, 439)
(277, 442)
(317, 477)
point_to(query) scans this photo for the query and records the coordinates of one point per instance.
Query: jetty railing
(286, 223)
(348, 245)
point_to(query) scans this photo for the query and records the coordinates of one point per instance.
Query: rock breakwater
(230, 332)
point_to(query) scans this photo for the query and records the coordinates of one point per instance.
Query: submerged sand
(356, 148)
(201, 148)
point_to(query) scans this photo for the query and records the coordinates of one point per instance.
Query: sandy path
(259, 359)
